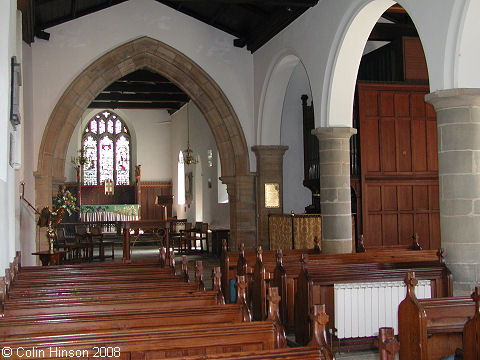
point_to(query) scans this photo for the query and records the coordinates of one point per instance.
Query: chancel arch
(153, 55)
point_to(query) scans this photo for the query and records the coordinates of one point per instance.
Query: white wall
(317, 38)
(10, 45)
(201, 140)
(76, 44)
(150, 134)
(295, 196)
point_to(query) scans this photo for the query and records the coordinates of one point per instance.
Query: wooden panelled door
(399, 166)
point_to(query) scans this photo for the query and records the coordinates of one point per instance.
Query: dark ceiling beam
(78, 14)
(74, 9)
(28, 20)
(134, 105)
(145, 88)
(186, 11)
(389, 32)
(272, 26)
(304, 3)
(142, 97)
(396, 9)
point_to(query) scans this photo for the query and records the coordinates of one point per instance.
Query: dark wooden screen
(399, 176)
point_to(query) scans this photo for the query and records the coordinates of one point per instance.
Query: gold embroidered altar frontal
(294, 230)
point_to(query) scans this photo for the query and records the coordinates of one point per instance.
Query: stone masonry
(458, 123)
(269, 170)
(335, 200)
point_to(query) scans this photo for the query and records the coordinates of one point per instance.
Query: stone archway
(151, 54)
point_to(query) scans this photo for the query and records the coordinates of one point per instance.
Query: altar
(110, 212)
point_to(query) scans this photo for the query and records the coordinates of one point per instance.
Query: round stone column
(335, 200)
(458, 124)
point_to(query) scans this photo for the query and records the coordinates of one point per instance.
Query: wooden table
(48, 258)
(143, 225)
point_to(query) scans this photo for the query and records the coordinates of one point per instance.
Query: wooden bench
(233, 263)
(317, 285)
(433, 328)
(287, 268)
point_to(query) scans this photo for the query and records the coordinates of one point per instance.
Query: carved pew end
(387, 344)
(163, 257)
(242, 297)
(185, 269)
(319, 322)
(199, 275)
(217, 285)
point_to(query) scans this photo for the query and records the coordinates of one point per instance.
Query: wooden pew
(471, 331)
(258, 339)
(316, 285)
(432, 328)
(233, 263)
(317, 349)
(288, 267)
(154, 335)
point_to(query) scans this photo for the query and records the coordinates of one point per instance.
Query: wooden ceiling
(141, 89)
(251, 22)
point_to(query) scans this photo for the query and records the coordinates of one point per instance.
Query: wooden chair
(177, 235)
(97, 239)
(84, 238)
(186, 237)
(74, 251)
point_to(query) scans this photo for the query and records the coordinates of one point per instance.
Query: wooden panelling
(420, 197)
(405, 228)
(415, 67)
(405, 199)
(371, 103)
(371, 137)
(386, 104)
(387, 144)
(432, 152)
(375, 230)
(419, 145)
(389, 198)
(148, 209)
(404, 145)
(374, 198)
(399, 176)
(389, 229)
(402, 104)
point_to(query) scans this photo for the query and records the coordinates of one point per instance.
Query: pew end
(471, 331)
(242, 297)
(387, 344)
(319, 319)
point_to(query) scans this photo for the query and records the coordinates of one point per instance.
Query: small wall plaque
(272, 195)
(16, 82)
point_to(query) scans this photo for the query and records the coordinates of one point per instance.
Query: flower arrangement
(65, 199)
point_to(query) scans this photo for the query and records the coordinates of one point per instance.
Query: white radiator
(362, 308)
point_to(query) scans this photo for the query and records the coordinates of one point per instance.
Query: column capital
(451, 98)
(323, 133)
(269, 149)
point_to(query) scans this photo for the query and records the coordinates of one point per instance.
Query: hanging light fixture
(188, 157)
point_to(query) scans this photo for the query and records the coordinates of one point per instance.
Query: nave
(165, 311)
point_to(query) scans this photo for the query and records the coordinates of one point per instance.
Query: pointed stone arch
(151, 54)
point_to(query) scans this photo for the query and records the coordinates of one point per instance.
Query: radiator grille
(362, 308)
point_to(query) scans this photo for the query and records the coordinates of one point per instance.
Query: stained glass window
(90, 167)
(106, 145)
(123, 160)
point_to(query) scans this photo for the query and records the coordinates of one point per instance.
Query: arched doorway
(151, 54)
